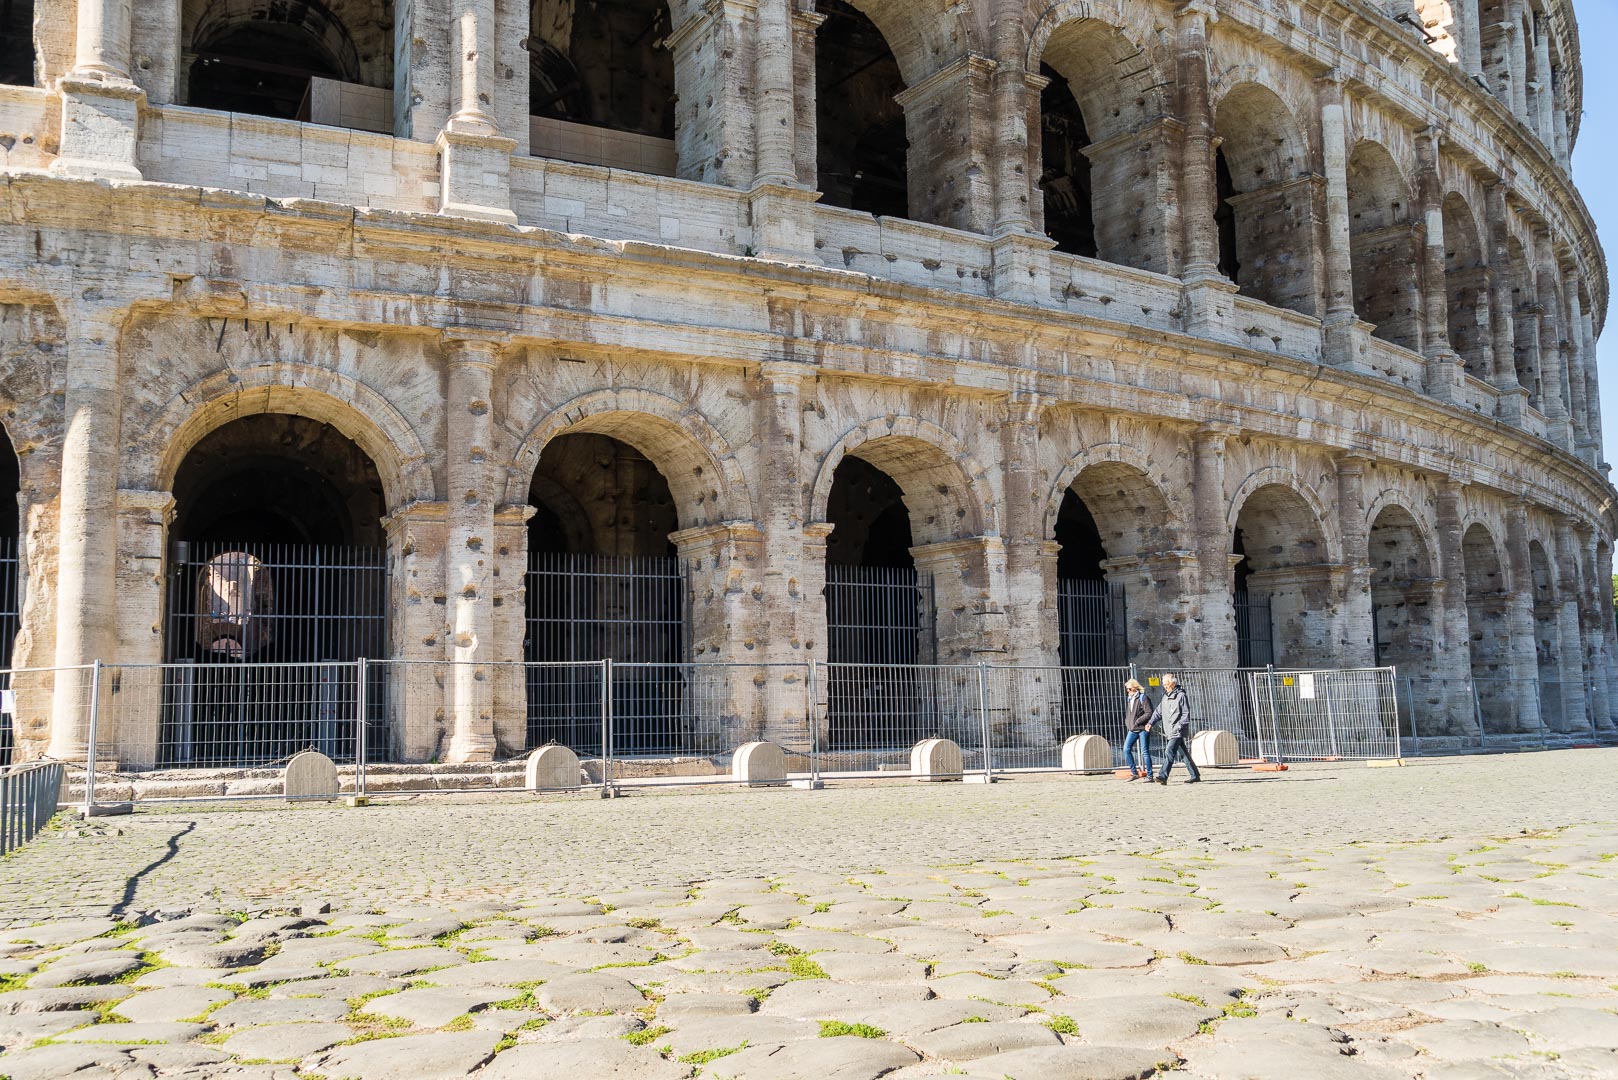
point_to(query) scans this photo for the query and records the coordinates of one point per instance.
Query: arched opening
(1489, 625)
(861, 141)
(325, 63)
(277, 576)
(1404, 630)
(1382, 245)
(1466, 288)
(879, 613)
(604, 583)
(17, 42)
(10, 576)
(1547, 636)
(1282, 582)
(602, 85)
(1064, 178)
(1267, 215)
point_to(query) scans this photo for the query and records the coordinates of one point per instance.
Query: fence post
(606, 726)
(1477, 710)
(983, 719)
(362, 670)
(90, 754)
(812, 714)
(1275, 713)
(1410, 696)
(1331, 721)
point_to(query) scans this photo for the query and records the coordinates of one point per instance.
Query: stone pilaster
(1570, 660)
(1542, 112)
(100, 103)
(1547, 283)
(1138, 224)
(785, 630)
(948, 118)
(1198, 190)
(1452, 653)
(416, 717)
(714, 136)
(1443, 373)
(509, 581)
(774, 115)
(1031, 624)
(1215, 617)
(1502, 310)
(806, 122)
(1469, 37)
(1357, 614)
(129, 728)
(1520, 613)
(1608, 671)
(1338, 321)
(724, 563)
(474, 157)
(1013, 183)
(469, 553)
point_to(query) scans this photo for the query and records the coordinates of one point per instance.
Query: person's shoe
(1195, 780)
(1163, 780)
(1133, 776)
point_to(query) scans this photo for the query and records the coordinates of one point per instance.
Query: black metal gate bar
(1091, 634)
(631, 610)
(879, 622)
(1255, 641)
(10, 615)
(259, 651)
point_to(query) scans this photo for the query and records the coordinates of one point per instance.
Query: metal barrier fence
(1494, 713)
(649, 723)
(28, 797)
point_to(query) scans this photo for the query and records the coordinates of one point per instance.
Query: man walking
(1175, 713)
(1138, 722)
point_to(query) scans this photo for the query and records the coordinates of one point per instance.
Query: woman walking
(1138, 722)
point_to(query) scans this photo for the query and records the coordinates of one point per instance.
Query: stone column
(784, 631)
(1337, 347)
(1358, 648)
(418, 723)
(1452, 661)
(1563, 150)
(1013, 183)
(1443, 371)
(1517, 59)
(100, 103)
(130, 722)
(1608, 672)
(949, 118)
(1469, 37)
(1031, 623)
(1520, 613)
(806, 124)
(1198, 189)
(87, 508)
(783, 222)
(1572, 358)
(1592, 387)
(1215, 633)
(1551, 370)
(1570, 660)
(474, 157)
(510, 627)
(1502, 311)
(1543, 122)
(469, 554)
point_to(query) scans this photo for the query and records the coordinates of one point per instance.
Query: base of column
(1208, 302)
(100, 130)
(1022, 267)
(783, 222)
(1443, 375)
(475, 176)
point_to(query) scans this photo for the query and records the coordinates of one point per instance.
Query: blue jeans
(1178, 747)
(1144, 741)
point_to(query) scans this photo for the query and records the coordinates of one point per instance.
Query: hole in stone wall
(861, 143)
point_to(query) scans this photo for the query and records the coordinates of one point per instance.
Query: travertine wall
(1395, 419)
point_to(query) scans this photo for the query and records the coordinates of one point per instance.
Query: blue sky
(1595, 165)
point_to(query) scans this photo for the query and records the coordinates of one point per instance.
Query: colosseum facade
(1209, 333)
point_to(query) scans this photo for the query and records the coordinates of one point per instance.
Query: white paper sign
(8, 702)
(1306, 687)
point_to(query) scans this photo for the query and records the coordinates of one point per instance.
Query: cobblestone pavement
(1446, 921)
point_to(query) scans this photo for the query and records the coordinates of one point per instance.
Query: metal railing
(1494, 713)
(28, 798)
(646, 723)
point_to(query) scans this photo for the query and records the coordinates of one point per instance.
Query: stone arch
(1403, 590)
(1384, 254)
(941, 481)
(696, 460)
(1281, 572)
(925, 35)
(1466, 287)
(357, 411)
(1265, 217)
(1285, 487)
(1122, 464)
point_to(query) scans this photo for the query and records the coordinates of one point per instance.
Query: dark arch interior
(860, 126)
(10, 593)
(17, 42)
(278, 479)
(872, 524)
(262, 68)
(1081, 552)
(1225, 218)
(597, 495)
(1065, 170)
(606, 63)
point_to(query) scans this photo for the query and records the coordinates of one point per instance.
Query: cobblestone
(1460, 923)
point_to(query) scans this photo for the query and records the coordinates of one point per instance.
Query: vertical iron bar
(1331, 724)
(90, 754)
(812, 714)
(362, 673)
(983, 717)
(606, 724)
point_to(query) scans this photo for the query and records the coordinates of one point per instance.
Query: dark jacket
(1182, 722)
(1137, 712)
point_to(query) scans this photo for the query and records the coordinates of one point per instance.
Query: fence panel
(1328, 714)
(1222, 699)
(28, 797)
(875, 714)
(1033, 711)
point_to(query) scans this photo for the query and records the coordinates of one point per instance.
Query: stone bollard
(759, 764)
(553, 768)
(310, 774)
(936, 759)
(1086, 753)
(1214, 749)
